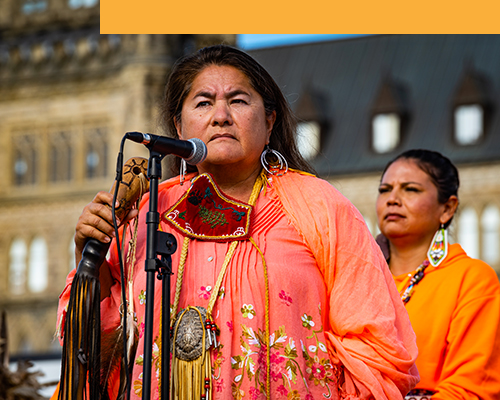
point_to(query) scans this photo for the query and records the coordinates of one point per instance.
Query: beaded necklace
(415, 279)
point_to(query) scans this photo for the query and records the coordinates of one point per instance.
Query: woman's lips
(222, 136)
(393, 217)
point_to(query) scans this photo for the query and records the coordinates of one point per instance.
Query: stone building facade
(67, 96)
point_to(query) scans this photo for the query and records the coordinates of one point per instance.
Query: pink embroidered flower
(254, 393)
(282, 391)
(220, 385)
(141, 330)
(204, 292)
(285, 298)
(309, 396)
(318, 371)
(276, 367)
(230, 326)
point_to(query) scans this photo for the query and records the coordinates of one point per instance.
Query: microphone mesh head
(199, 152)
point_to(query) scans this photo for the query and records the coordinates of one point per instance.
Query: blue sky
(249, 42)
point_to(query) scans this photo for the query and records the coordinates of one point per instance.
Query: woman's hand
(96, 222)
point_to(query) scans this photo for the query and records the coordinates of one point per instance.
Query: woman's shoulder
(470, 271)
(300, 191)
(309, 185)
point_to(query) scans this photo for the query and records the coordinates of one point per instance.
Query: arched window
(469, 123)
(386, 130)
(468, 233)
(312, 122)
(389, 114)
(38, 266)
(471, 107)
(490, 226)
(97, 154)
(25, 167)
(309, 139)
(61, 155)
(17, 271)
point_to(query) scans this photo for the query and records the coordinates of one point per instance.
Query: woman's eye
(239, 101)
(202, 104)
(411, 189)
(382, 190)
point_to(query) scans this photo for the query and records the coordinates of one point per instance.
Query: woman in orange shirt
(453, 300)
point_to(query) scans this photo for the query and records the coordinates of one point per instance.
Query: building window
(25, 168)
(17, 271)
(61, 155)
(309, 139)
(471, 106)
(469, 124)
(386, 130)
(390, 114)
(468, 235)
(38, 266)
(96, 158)
(33, 6)
(490, 225)
(82, 3)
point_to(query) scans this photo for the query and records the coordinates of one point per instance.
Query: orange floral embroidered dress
(337, 326)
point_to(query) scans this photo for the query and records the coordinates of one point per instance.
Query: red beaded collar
(204, 212)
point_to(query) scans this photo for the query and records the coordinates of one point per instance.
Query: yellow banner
(317, 16)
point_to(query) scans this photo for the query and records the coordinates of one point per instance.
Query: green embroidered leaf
(290, 353)
(236, 362)
(292, 368)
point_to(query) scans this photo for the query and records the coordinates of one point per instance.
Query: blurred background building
(68, 94)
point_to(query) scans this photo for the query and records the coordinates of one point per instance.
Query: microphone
(194, 151)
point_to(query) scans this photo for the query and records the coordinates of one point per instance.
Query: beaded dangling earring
(439, 247)
(273, 162)
(183, 171)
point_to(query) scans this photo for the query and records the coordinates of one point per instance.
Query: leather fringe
(82, 342)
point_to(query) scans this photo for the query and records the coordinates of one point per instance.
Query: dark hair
(440, 169)
(187, 69)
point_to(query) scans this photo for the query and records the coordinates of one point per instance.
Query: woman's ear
(178, 127)
(450, 207)
(270, 119)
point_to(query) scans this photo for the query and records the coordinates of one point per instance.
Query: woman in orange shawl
(453, 300)
(278, 260)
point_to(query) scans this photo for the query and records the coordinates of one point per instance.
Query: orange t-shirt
(455, 313)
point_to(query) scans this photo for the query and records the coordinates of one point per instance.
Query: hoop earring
(439, 247)
(273, 162)
(183, 171)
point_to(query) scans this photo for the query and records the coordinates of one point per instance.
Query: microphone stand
(164, 244)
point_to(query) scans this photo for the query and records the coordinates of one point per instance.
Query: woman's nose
(393, 198)
(221, 114)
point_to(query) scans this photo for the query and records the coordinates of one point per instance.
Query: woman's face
(407, 204)
(224, 111)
